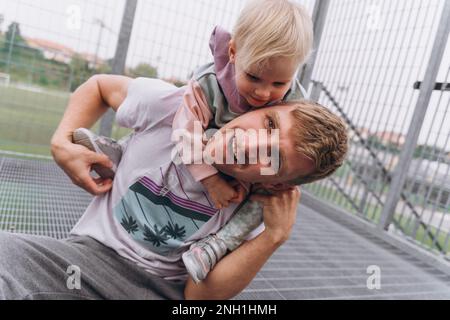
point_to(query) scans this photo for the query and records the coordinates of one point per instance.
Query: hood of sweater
(225, 70)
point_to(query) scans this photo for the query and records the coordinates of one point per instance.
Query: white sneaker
(202, 256)
(102, 145)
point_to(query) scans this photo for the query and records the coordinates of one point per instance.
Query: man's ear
(232, 51)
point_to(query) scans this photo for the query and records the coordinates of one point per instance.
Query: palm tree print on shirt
(175, 231)
(128, 223)
(152, 214)
(155, 236)
(160, 236)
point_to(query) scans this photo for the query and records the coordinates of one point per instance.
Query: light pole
(99, 40)
(2, 19)
(120, 58)
(11, 44)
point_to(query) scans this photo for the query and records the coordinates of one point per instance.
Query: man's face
(291, 164)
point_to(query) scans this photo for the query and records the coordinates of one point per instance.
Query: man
(129, 242)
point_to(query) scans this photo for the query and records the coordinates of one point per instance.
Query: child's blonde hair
(319, 135)
(272, 28)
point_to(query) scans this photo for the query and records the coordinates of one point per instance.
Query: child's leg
(203, 255)
(247, 219)
(244, 221)
(99, 144)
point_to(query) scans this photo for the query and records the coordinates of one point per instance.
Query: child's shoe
(99, 144)
(202, 256)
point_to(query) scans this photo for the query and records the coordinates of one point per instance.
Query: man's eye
(271, 123)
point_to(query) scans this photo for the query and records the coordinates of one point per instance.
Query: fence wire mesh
(38, 198)
(47, 49)
(372, 57)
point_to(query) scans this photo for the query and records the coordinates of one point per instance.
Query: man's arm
(86, 105)
(233, 273)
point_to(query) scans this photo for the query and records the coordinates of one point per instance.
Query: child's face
(268, 85)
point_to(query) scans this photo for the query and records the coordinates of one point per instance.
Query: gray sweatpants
(35, 267)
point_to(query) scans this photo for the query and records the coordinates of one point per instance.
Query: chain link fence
(371, 65)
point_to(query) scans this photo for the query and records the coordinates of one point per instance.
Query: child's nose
(262, 93)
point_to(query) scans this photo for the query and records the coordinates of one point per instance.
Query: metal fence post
(319, 18)
(315, 91)
(120, 57)
(426, 89)
(11, 48)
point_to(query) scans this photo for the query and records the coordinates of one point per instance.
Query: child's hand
(221, 192)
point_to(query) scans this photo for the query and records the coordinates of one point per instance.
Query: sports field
(28, 119)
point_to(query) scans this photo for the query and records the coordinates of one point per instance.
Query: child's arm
(195, 110)
(194, 114)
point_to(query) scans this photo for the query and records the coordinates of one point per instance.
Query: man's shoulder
(153, 92)
(149, 87)
(148, 100)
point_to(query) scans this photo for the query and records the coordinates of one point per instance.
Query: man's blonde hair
(272, 28)
(319, 135)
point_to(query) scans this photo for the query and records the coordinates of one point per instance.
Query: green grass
(29, 119)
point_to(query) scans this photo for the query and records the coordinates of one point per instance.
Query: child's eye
(279, 84)
(252, 78)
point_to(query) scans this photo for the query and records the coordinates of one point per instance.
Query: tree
(143, 70)
(375, 142)
(104, 68)
(431, 153)
(79, 71)
(14, 36)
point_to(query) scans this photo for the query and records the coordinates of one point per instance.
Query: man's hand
(76, 161)
(86, 105)
(236, 270)
(280, 212)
